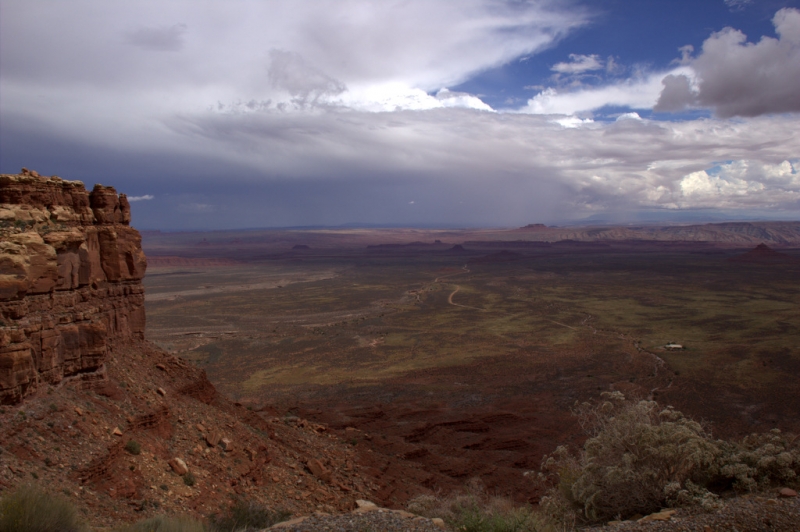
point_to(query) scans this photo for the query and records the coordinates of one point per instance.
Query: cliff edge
(71, 273)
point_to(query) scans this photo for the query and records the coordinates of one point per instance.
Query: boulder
(323, 473)
(179, 466)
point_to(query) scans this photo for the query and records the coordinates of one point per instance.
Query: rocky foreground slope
(93, 411)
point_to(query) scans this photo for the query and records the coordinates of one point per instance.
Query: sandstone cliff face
(70, 280)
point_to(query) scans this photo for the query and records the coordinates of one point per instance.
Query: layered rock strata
(70, 280)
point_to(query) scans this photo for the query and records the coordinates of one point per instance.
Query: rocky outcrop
(70, 280)
(762, 253)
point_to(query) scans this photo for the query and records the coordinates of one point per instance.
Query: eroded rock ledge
(70, 280)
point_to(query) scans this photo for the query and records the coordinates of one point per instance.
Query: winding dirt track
(450, 300)
(458, 287)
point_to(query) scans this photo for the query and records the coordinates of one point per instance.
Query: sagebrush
(640, 457)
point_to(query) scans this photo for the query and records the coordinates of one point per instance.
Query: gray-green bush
(640, 457)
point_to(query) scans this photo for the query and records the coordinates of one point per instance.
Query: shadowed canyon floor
(444, 355)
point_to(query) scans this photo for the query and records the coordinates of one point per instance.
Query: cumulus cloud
(731, 76)
(739, 78)
(160, 39)
(677, 94)
(578, 64)
(740, 182)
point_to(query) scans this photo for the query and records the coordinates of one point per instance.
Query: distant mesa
(500, 256)
(534, 227)
(458, 248)
(409, 245)
(300, 246)
(764, 254)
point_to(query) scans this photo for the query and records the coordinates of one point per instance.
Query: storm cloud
(283, 113)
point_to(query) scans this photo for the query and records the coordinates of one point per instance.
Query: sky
(494, 113)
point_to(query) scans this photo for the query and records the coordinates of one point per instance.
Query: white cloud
(317, 45)
(579, 64)
(146, 197)
(572, 121)
(636, 93)
(388, 97)
(742, 182)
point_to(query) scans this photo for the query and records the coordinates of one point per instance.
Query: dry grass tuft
(30, 509)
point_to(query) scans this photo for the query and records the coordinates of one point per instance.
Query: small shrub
(760, 460)
(636, 450)
(474, 517)
(247, 516)
(475, 511)
(163, 523)
(30, 509)
(133, 447)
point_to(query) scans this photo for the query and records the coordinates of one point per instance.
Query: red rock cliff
(70, 280)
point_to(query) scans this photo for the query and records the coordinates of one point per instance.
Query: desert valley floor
(447, 355)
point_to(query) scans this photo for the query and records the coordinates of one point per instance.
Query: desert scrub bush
(133, 447)
(759, 461)
(246, 516)
(475, 511)
(30, 509)
(473, 516)
(639, 458)
(163, 523)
